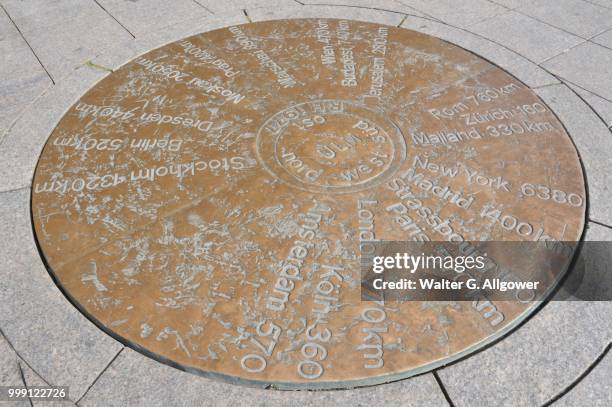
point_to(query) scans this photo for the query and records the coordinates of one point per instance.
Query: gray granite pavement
(53, 51)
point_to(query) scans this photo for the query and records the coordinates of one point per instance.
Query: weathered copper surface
(205, 202)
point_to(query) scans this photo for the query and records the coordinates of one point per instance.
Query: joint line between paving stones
(246, 14)
(203, 6)
(24, 381)
(580, 378)
(426, 17)
(501, 5)
(2, 334)
(429, 16)
(299, 2)
(562, 79)
(14, 190)
(113, 17)
(598, 44)
(598, 5)
(548, 85)
(581, 161)
(28, 44)
(589, 40)
(506, 10)
(600, 224)
(363, 7)
(443, 389)
(565, 51)
(488, 18)
(597, 35)
(100, 374)
(29, 104)
(550, 25)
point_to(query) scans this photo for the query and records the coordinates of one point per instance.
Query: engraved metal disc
(204, 203)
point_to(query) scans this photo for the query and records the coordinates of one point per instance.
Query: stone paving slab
(594, 390)
(517, 31)
(460, 13)
(23, 77)
(22, 74)
(41, 15)
(525, 70)
(511, 4)
(62, 33)
(544, 356)
(23, 142)
(219, 7)
(389, 5)
(33, 379)
(602, 106)
(135, 380)
(60, 52)
(142, 18)
(56, 340)
(577, 66)
(575, 16)
(594, 143)
(10, 374)
(15, 372)
(15, 96)
(604, 39)
(20, 69)
(11, 41)
(602, 3)
(350, 13)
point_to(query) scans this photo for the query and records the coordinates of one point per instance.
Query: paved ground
(52, 51)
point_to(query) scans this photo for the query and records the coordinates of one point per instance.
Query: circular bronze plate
(205, 202)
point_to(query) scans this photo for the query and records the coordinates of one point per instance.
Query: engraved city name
(379, 50)
(207, 56)
(171, 72)
(284, 78)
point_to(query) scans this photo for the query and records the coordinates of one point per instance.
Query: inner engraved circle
(330, 146)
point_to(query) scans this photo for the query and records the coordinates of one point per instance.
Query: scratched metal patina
(205, 202)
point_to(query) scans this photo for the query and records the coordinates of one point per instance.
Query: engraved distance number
(313, 351)
(546, 194)
(488, 95)
(255, 362)
(523, 127)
